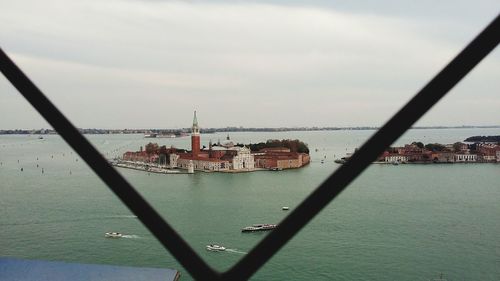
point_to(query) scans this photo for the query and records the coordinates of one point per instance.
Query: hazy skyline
(150, 64)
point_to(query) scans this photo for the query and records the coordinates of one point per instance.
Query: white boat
(285, 208)
(215, 248)
(113, 235)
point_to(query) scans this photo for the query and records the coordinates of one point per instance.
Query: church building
(222, 157)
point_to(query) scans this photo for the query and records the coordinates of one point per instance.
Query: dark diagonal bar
(129, 196)
(443, 82)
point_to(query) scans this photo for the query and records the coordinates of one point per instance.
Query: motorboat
(258, 227)
(285, 208)
(215, 248)
(113, 235)
(342, 160)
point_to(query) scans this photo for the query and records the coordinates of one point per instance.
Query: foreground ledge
(31, 270)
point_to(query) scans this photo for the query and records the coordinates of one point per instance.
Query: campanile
(195, 137)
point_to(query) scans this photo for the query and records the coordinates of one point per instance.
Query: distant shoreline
(182, 131)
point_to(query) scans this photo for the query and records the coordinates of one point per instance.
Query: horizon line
(283, 128)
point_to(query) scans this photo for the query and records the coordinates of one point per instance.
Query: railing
(429, 95)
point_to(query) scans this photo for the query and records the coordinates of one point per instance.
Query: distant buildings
(438, 153)
(221, 157)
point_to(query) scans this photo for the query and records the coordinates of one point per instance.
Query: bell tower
(195, 137)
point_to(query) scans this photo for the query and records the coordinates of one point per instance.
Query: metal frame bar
(167, 236)
(443, 82)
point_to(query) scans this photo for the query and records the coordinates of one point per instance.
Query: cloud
(226, 60)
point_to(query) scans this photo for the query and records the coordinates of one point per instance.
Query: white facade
(190, 167)
(396, 158)
(173, 160)
(243, 160)
(205, 165)
(465, 157)
(489, 158)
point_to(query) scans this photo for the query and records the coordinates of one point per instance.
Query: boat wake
(131, 236)
(121, 216)
(236, 251)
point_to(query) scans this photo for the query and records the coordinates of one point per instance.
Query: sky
(150, 64)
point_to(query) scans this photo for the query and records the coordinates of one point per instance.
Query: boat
(215, 248)
(285, 208)
(150, 135)
(40, 138)
(258, 227)
(113, 235)
(342, 160)
(276, 169)
(166, 136)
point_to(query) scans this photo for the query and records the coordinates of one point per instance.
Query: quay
(13, 269)
(152, 168)
(148, 168)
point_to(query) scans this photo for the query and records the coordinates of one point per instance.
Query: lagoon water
(405, 222)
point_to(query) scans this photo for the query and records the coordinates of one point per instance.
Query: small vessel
(113, 235)
(166, 136)
(40, 138)
(276, 169)
(322, 161)
(341, 160)
(258, 227)
(285, 208)
(150, 135)
(215, 248)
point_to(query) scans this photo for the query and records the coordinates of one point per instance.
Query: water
(406, 222)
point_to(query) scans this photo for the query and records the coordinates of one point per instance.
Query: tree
(151, 148)
(294, 145)
(162, 150)
(457, 146)
(434, 147)
(418, 144)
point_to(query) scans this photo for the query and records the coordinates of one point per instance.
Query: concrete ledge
(31, 270)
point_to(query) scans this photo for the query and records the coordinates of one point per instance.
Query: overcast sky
(149, 64)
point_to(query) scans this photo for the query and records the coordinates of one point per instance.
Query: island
(418, 153)
(483, 139)
(227, 156)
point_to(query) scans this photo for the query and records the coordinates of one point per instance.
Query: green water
(405, 222)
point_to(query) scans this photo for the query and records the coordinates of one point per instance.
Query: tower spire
(195, 120)
(195, 137)
(195, 128)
